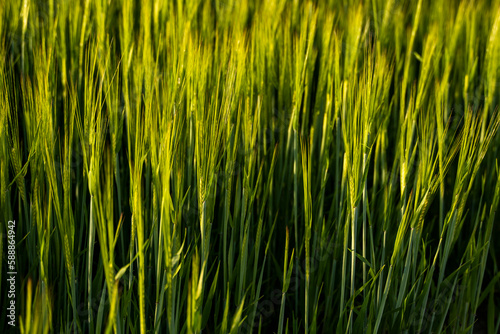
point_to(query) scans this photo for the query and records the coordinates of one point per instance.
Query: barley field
(249, 166)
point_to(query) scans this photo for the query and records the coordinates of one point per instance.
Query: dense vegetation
(246, 166)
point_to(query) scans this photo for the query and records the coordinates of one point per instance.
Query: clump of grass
(251, 166)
